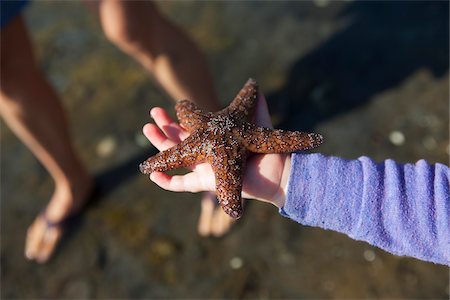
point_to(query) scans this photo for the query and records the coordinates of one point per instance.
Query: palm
(261, 179)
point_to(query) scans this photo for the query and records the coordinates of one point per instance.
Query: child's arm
(403, 209)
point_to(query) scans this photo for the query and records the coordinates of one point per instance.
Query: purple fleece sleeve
(401, 208)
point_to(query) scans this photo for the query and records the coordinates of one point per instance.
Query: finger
(157, 138)
(179, 183)
(262, 112)
(161, 114)
(49, 242)
(168, 126)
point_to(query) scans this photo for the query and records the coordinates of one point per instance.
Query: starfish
(224, 140)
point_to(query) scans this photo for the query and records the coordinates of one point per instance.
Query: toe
(34, 236)
(50, 239)
(221, 223)
(206, 214)
(41, 240)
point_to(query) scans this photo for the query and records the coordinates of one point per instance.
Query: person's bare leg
(213, 220)
(33, 111)
(176, 63)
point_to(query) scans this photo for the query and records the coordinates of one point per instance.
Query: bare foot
(213, 220)
(47, 229)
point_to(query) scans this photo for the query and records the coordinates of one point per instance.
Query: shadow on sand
(385, 43)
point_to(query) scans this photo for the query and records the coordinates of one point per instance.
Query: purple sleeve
(403, 209)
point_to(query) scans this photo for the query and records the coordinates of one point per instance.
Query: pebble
(337, 252)
(411, 278)
(318, 93)
(106, 146)
(397, 138)
(286, 258)
(78, 288)
(329, 285)
(430, 121)
(321, 3)
(163, 248)
(236, 263)
(141, 140)
(429, 143)
(369, 255)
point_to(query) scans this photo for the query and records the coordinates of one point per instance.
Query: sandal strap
(75, 211)
(53, 224)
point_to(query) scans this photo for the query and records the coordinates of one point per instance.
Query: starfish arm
(266, 140)
(182, 155)
(190, 115)
(228, 167)
(244, 103)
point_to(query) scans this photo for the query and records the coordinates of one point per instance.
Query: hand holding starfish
(265, 176)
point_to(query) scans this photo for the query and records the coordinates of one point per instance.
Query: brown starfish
(224, 140)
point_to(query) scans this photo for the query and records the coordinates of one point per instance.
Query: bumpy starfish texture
(224, 140)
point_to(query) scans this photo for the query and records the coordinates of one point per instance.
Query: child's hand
(265, 178)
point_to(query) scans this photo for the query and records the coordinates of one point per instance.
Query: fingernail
(150, 176)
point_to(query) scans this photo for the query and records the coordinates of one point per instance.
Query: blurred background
(372, 77)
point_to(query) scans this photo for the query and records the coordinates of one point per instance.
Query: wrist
(280, 197)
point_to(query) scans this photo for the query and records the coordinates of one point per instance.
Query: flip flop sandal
(71, 221)
(74, 211)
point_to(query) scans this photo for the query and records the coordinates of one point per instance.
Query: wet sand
(371, 77)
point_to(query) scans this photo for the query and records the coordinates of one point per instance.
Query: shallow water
(373, 79)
